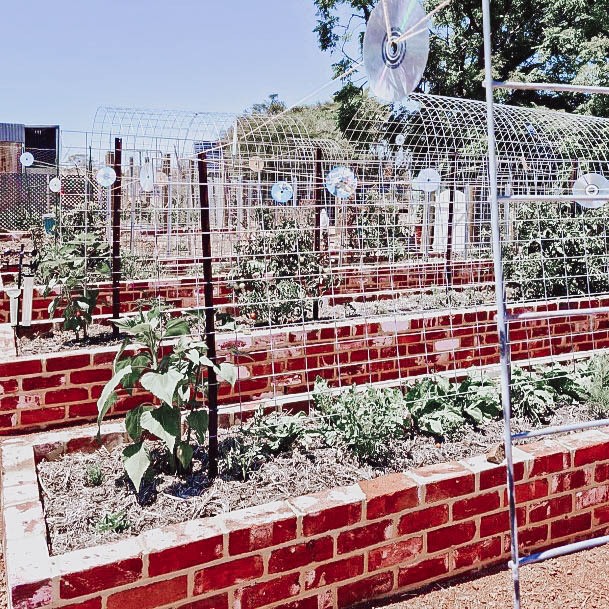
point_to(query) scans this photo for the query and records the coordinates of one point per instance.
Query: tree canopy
(564, 41)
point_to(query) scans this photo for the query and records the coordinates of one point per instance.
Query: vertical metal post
(449, 231)
(210, 331)
(317, 229)
(500, 297)
(116, 234)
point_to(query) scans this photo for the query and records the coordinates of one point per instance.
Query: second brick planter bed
(328, 550)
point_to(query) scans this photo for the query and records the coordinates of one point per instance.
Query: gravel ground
(578, 581)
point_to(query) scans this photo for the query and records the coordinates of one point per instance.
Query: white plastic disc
(27, 159)
(256, 164)
(282, 192)
(395, 69)
(147, 177)
(591, 185)
(428, 180)
(341, 182)
(55, 185)
(400, 139)
(105, 177)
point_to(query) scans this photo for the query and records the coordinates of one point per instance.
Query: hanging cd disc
(395, 68)
(591, 185)
(400, 139)
(282, 192)
(27, 159)
(147, 177)
(55, 185)
(256, 164)
(105, 177)
(341, 182)
(428, 180)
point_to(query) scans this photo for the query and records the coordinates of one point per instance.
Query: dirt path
(578, 581)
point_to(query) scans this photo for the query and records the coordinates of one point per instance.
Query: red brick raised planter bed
(62, 388)
(328, 550)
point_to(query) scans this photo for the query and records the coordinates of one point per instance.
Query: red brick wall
(62, 388)
(328, 550)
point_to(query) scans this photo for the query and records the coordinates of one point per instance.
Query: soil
(578, 581)
(76, 510)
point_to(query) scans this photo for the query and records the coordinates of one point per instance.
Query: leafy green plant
(94, 475)
(568, 381)
(597, 384)
(533, 397)
(362, 421)
(434, 406)
(67, 270)
(116, 522)
(262, 437)
(174, 376)
(480, 399)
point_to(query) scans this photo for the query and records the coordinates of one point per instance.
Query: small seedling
(94, 475)
(116, 522)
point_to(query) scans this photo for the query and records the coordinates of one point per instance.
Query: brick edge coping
(266, 533)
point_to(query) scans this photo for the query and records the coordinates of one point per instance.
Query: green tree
(565, 41)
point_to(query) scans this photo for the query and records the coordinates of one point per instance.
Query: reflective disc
(341, 182)
(282, 192)
(106, 176)
(591, 185)
(428, 180)
(395, 69)
(55, 185)
(400, 139)
(27, 159)
(256, 164)
(147, 177)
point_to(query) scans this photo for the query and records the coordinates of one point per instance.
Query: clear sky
(61, 59)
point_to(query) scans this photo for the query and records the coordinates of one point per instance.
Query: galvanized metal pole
(116, 234)
(449, 231)
(500, 297)
(210, 331)
(317, 230)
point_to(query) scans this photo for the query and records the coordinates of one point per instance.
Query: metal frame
(503, 318)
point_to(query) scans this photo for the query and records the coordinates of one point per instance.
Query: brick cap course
(307, 539)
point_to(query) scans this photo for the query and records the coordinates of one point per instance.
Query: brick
(568, 481)
(150, 596)
(292, 557)
(260, 527)
(530, 537)
(77, 411)
(215, 602)
(227, 574)
(31, 595)
(477, 553)
(452, 480)
(557, 506)
(480, 504)
(601, 472)
(94, 603)
(423, 571)
(549, 457)
(272, 591)
(185, 556)
(333, 572)
(65, 396)
(569, 526)
(591, 454)
(42, 415)
(59, 363)
(500, 522)
(529, 491)
(601, 515)
(363, 537)
(454, 535)
(399, 552)
(389, 494)
(93, 375)
(15, 368)
(591, 496)
(100, 578)
(423, 519)
(365, 589)
(33, 383)
(8, 386)
(104, 358)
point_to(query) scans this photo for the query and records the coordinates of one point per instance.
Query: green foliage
(116, 522)
(68, 270)
(598, 386)
(533, 397)
(261, 438)
(362, 421)
(277, 274)
(175, 377)
(569, 381)
(480, 400)
(94, 475)
(549, 41)
(557, 251)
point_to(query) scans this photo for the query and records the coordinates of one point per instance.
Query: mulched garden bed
(80, 514)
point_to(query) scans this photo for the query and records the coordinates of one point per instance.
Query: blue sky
(63, 59)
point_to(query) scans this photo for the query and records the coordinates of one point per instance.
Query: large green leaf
(163, 422)
(228, 372)
(184, 453)
(198, 420)
(105, 399)
(133, 421)
(162, 386)
(177, 326)
(137, 462)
